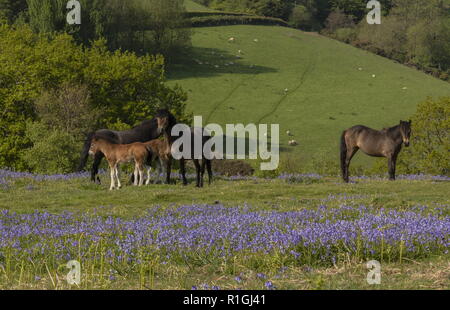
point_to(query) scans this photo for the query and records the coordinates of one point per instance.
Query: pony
(200, 168)
(146, 131)
(122, 153)
(378, 143)
(163, 150)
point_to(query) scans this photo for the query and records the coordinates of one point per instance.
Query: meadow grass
(55, 205)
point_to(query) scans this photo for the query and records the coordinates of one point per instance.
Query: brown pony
(378, 143)
(122, 153)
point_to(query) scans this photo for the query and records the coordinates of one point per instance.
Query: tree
(430, 139)
(303, 18)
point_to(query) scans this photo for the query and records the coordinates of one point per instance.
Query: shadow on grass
(210, 62)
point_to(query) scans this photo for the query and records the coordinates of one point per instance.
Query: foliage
(415, 33)
(303, 17)
(338, 19)
(12, 9)
(125, 88)
(221, 20)
(430, 141)
(157, 26)
(69, 109)
(53, 151)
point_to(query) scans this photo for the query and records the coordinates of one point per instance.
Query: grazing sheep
(231, 40)
(289, 133)
(293, 143)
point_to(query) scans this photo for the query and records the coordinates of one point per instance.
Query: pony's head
(405, 130)
(165, 121)
(94, 147)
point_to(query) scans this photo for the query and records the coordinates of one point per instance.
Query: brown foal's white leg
(112, 170)
(141, 175)
(149, 169)
(136, 174)
(119, 185)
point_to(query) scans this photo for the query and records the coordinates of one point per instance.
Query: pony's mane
(159, 113)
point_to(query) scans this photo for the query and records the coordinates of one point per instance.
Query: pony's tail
(85, 151)
(343, 154)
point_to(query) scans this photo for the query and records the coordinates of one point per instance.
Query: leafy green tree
(429, 152)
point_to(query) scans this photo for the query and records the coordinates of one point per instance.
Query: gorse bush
(124, 88)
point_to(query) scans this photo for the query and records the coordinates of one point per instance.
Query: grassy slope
(327, 92)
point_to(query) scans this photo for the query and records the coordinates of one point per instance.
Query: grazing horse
(122, 153)
(146, 131)
(378, 143)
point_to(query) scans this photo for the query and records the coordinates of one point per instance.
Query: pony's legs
(119, 185)
(208, 167)
(350, 153)
(149, 169)
(136, 177)
(392, 162)
(183, 170)
(169, 168)
(94, 171)
(112, 170)
(160, 170)
(197, 169)
(202, 171)
(141, 174)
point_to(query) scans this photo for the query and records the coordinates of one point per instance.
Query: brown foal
(122, 153)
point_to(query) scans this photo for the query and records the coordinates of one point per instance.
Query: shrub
(346, 35)
(69, 109)
(337, 19)
(220, 20)
(53, 151)
(430, 139)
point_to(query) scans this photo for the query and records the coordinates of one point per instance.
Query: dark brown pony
(199, 164)
(163, 150)
(378, 143)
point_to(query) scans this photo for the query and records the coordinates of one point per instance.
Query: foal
(378, 143)
(122, 153)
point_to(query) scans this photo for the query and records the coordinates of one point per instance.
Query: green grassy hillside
(311, 85)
